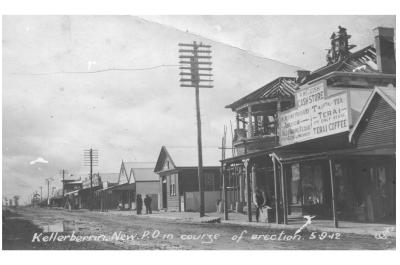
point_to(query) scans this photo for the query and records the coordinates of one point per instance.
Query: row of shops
(171, 183)
(322, 143)
(109, 191)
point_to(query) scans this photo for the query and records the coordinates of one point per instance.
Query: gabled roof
(387, 93)
(187, 157)
(109, 177)
(128, 166)
(143, 174)
(363, 60)
(280, 87)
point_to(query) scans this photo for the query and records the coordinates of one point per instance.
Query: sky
(111, 83)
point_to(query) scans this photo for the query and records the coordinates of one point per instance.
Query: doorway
(164, 192)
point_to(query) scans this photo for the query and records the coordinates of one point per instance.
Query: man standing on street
(139, 204)
(147, 203)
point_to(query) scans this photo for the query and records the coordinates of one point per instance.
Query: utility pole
(193, 57)
(41, 193)
(223, 174)
(91, 158)
(63, 172)
(48, 180)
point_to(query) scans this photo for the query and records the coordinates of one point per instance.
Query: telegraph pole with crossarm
(63, 172)
(91, 159)
(195, 66)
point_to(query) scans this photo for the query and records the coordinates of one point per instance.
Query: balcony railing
(259, 130)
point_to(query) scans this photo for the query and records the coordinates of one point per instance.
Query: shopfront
(349, 173)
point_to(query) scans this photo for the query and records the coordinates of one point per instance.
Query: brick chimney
(385, 51)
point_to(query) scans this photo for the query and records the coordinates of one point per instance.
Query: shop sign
(315, 115)
(95, 182)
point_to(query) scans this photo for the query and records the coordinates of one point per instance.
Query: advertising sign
(315, 115)
(95, 182)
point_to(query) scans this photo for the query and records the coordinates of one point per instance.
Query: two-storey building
(317, 164)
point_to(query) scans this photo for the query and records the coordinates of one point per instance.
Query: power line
(251, 53)
(101, 70)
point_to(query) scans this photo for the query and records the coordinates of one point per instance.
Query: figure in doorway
(259, 202)
(139, 204)
(147, 203)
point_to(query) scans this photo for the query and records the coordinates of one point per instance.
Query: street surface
(61, 229)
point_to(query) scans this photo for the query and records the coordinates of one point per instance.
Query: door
(164, 192)
(376, 198)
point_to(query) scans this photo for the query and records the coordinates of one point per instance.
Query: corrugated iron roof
(388, 94)
(143, 174)
(280, 87)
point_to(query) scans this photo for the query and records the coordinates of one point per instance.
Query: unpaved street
(20, 226)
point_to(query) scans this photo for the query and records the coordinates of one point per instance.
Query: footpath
(345, 227)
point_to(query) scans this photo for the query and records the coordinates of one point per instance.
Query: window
(209, 181)
(264, 125)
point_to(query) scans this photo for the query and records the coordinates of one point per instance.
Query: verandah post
(246, 169)
(284, 201)
(335, 221)
(224, 191)
(276, 192)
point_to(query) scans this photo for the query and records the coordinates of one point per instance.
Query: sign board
(315, 115)
(105, 184)
(310, 95)
(95, 182)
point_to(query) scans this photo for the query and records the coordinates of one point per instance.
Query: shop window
(295, 184)
(312, 185)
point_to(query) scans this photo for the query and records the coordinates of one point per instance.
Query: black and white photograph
(198, 132)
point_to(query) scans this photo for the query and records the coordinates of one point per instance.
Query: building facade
(301, 140)
(178, 176)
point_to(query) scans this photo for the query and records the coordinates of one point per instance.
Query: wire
(101, 71)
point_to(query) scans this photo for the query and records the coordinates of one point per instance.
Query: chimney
(385, 53)
(301, 75)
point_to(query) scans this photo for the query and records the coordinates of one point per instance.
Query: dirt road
(60, 229)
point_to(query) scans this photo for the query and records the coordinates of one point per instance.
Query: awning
(292, 156)
(126, 186)
(71, 192)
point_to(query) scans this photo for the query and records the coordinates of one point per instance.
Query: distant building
(87, 199)
(108, 180)
(178, 177)
(136, 178)
(72, 185)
